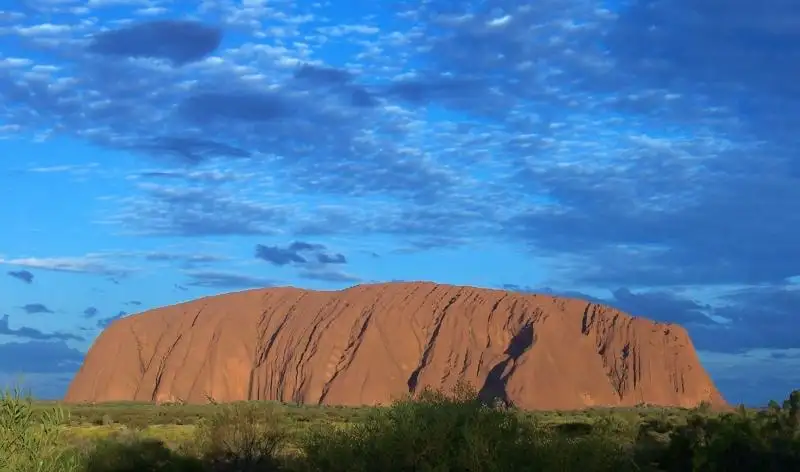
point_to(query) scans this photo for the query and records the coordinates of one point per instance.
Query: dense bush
(741, 441)
(241, 437)
(435, 432)
(431, 432)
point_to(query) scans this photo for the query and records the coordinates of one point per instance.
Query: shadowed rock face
(373, 343)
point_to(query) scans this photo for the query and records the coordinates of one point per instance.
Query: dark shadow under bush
(137, 455)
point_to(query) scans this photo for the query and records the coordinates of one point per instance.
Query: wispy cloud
(328, 275)
(103, 323)
(34, 308)
(179, 42)
(76, 169)
(226, 280)
(35, 334)
(312, 259)
(197, 211)
(23, 275)
(298, 252)
(89, 264)
(39, 356)
(184, 260)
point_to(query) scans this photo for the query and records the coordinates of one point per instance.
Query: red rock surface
(372, 343)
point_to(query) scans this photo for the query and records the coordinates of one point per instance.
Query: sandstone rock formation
(370, 344)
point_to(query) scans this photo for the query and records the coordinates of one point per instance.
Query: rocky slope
(372, 343)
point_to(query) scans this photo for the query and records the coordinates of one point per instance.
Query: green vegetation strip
(433, 432)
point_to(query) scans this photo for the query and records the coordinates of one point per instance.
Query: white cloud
(89, 264)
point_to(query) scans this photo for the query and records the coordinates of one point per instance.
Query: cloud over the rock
(226, 280)
(313, 260)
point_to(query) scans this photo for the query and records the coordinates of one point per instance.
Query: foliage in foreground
(435, 432)
(765, 441)
(432, 432)
(28, 441)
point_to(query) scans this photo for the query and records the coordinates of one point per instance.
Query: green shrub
(242, 437)
(435, 432)
(766, 442)
(595, 453)
(30, 441)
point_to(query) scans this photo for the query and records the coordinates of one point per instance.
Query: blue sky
(640, 153)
